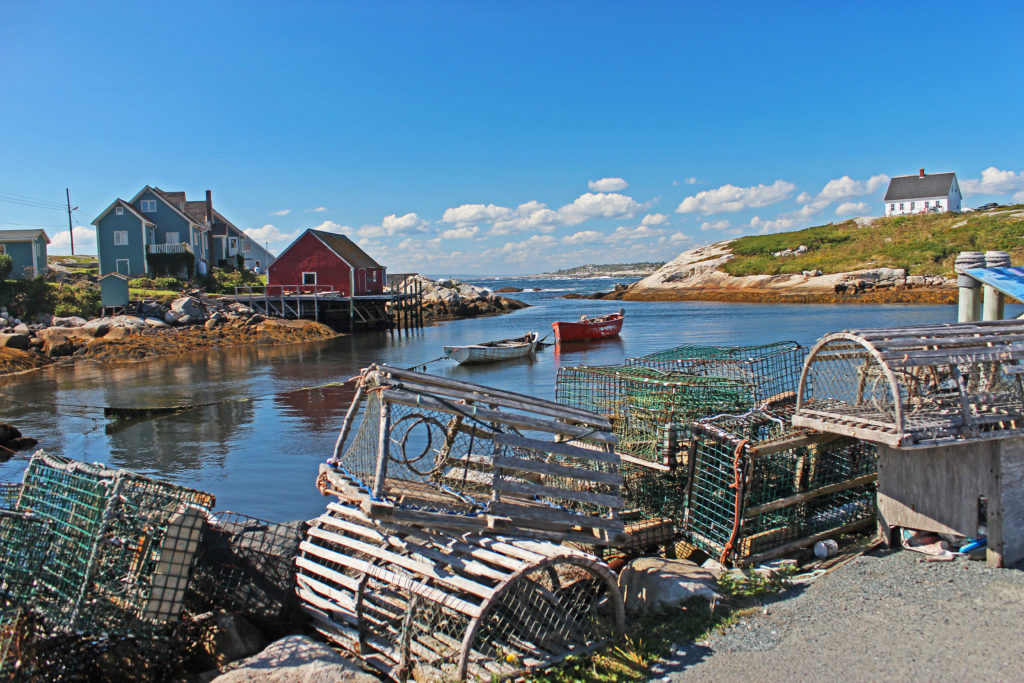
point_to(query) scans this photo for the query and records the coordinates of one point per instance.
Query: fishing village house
(27, 249)
(319, 261)
(922, 193)
(158, 230)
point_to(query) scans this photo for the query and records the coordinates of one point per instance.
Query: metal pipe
(994, 302)
(970, 289)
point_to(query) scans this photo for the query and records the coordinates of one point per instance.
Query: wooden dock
(401, 308)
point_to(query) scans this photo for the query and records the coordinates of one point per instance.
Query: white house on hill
(922, 193)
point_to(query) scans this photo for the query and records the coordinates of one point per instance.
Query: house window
(148, 206)
(233, 243)
(172, 238)
(120, 238)
(119, 211)
(309, 278)
(901, 206)
(912, 205)
(892, 207)
(121, 266)
(372, 276)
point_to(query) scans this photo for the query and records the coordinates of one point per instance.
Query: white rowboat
(493, 351)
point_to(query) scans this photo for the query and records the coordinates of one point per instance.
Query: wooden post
(970, 289)
(383, 451)
(993, 299)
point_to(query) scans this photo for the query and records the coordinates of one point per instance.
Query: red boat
(597, 327)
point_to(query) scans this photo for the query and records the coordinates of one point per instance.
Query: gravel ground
(884, 616)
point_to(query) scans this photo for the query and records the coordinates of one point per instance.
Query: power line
(29, 201)
(32, 225)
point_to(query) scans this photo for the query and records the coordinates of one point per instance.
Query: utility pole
(71, 228)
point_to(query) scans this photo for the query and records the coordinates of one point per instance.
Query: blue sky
(506, 137)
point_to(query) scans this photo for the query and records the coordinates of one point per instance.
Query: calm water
(259, 455)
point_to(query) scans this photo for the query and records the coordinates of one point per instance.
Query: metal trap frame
(122, 546)
(760, 488)
(772, 370)
(925, 385)
(430, 606)
(450, 455)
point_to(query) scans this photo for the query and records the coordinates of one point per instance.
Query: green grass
(162, 295)
(924, 245)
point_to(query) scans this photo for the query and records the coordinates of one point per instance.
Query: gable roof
(117, 275)
(917, 186)
(169, 202)
(22, 235)
(126, 205)
(345, 248)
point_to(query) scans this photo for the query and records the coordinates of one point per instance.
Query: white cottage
(922, 193)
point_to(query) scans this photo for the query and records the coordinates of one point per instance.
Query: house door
(232, 246)
(172, 238)
(121, 266)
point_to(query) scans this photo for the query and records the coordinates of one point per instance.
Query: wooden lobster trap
(430, 606)
(449, 455)
(917, 386)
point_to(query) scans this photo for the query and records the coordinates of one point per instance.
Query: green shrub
(81, 299)
(162, 283)
(224, 280)
(6, 263)
(26, 298)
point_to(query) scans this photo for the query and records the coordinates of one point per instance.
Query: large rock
(57, 346)
(64, 332)
(652, 583)
(68, 321)
(128, 321)
(14, 341)
(296, 659)
(122, 332)
(225, 637)
(21, 328)
(98, 327)
(189, 306)
(156, 322)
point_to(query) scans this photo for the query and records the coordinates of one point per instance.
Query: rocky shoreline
(697, 275)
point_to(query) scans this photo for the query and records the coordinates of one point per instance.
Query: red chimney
(208, 192)
(209, 203)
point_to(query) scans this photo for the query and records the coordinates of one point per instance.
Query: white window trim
(150, 203)
(127, 268)
(304, 274)
(123, 240)
(119, 211)
(168, 240)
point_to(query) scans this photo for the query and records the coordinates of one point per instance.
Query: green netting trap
(773, 370)
(760, 488)
(122, 546)
(24, 542)
(650, 409)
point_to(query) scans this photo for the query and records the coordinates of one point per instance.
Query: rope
(738, 508)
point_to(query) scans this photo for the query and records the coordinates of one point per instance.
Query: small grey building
(27, 248)
(114, 291)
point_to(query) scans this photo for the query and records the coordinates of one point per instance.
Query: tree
(6, 264)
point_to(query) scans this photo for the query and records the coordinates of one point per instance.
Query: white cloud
(608, 185)
(692, 180)
(475, 213)
(532, 215)
(463, 233)
(584, 237)
(733, 198)
(282, 212)
(636, 232)
(598, 205)
(715, 225)
(676, 238)
(319, 209)
(779, 224)
(269, 233)
(85, 240)
(995, 181)
(836, 190)
(392, 225)
(851, 208)
(654, 219)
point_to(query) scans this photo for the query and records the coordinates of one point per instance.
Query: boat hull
(598, 328)
(492, 352)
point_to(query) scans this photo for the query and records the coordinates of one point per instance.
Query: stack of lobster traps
(443, 555)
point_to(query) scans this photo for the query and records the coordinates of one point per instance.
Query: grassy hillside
(925, 244)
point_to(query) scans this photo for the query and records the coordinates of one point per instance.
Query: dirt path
(884, 616)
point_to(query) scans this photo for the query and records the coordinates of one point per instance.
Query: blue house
(27, 248)
(129, 234)
(227, 240)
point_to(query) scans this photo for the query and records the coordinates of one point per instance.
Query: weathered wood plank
(530, 489)
(556, 515)
(541, 467)
(810, 495)
(555, 448)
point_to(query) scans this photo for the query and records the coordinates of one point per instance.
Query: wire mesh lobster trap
(760, 488)
(446, 454)
(122, 545)
(917, 386)
(650, 410)
(24, 542)
(436, 607)
(772, 370)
